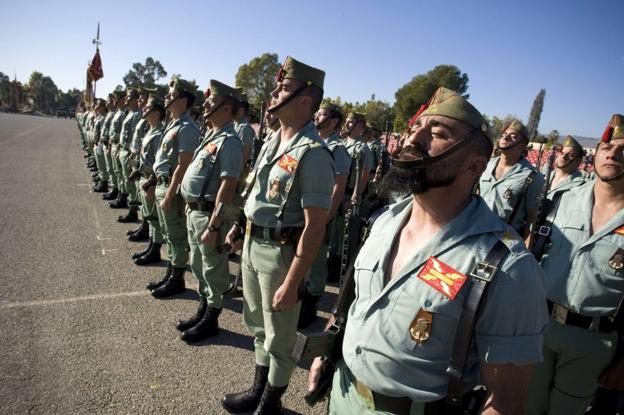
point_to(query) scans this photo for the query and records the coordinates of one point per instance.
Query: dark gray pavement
(78, 331)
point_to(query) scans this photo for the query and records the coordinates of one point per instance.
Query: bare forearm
(176, 179)
(226, 193)
(305, 253)
(363, 181)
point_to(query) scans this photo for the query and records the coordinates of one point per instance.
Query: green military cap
(516, 125)
(99, 102)
(569, 141)
(111, 96)
(331, 107)
(222, 90)
(153, 103)
(132, 93)
(372, 125)
(358, 116)
(615, 128)
(119, 94)
(181, 85)
(450, 104)
(293, 69)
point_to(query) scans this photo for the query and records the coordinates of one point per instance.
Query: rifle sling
(523, 191)
(543, 233)
(482, 273)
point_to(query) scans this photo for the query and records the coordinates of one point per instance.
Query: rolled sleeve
(187, 138)
(316, 180)
(316, 200)
(231, 158)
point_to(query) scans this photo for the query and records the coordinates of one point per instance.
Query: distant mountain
(586, 142)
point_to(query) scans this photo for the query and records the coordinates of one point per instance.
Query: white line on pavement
(21, 134)
(72, 299)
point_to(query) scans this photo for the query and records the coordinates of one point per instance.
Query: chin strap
(168, 105)
(610, 179)
(215, 109)
(290, 97)
(426, 161)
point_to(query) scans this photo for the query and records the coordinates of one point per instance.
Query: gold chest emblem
(274, 190)
(420, 329)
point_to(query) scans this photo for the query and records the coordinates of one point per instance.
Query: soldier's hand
(285, 297)
(315, 374)
(233, 239)
(209, 238)
(166, 203)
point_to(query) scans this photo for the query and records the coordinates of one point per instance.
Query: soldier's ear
(476, 165)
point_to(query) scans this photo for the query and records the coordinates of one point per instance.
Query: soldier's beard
(404, 181)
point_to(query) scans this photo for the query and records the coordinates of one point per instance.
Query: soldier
(243, 129)
(180, 139)
(111, 145)
(353, 129)
(98, 127)
(125, 141)
(328, 119)
(510, 185)
(411, 279)
(104, 139)
(584, 268)
(211, 181)
(154, 114)
(121, 202)
(566, 169)
(286, 208)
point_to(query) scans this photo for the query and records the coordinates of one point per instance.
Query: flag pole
(97, 43)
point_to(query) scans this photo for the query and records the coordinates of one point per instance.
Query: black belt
(287, 235)
(205, 205)
(163, 180)
(606, 324)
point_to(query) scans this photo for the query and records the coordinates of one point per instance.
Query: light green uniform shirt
(574, 180)
(501, 195)
(141, 128)
(149, 147)
(378, 347)
(219, 155)
(368, 161)
(246, 134)
(115, 127)
(312, 186)
(106, 127)
(580, 267)
(342, 160)
(127, 127)
(97, 128)
(180, 136)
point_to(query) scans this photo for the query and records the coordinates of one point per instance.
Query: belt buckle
(559, 313)
(366, 394)
(544, 230)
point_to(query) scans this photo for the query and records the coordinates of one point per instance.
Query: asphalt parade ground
(79, 333)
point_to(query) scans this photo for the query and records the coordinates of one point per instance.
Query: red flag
(95, 69)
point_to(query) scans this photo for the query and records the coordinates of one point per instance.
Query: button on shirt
(581, 268)
(501, 195)
(311, 187)
(180, 136)
(378, 347)
(219, 155)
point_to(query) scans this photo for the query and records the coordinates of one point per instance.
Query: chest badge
(507, 194)
(617, 260)
(420, 329)
(443, 278)
(200, 164)
(165, 147)
(274, 190)
(288, 163)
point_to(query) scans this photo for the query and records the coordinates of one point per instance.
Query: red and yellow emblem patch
(443, 278)
(211, 148)
(620, 230)
(288, 163)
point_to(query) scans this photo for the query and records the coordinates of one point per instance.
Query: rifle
(350, 215)
(259, 138)
(329, 342)
(540, 229)
(539, 156)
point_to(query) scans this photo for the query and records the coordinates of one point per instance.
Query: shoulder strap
(482, 273)
(523, 191)
(543, 233)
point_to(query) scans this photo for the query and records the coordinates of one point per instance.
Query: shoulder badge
(443, 278)
(288, 163)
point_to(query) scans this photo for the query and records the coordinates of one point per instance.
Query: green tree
(552, 138)
(144, 75)
(497, 124)
(257, 78)
(416, 92)
(43, 92)
(536, 114)
(5, 88)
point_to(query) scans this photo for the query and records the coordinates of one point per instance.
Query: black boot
(173, 286)
(96, 179)
(208, 326)
(152, 256)
(141, 234)
(112, 195)
(120, 203)
(201, 310)
(271, 401)
(155, 284)
(131, 216)
(101, 187)
(333, 267)
(248, 400)
(143, 252)
(131, 231)
(308, 309)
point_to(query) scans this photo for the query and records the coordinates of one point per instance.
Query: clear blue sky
(509, 49)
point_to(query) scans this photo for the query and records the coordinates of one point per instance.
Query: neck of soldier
(436, 207)
(511, 157)
(292, 124)
(176, 112)
(609, 193)
(220, 122)
(325, 133)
